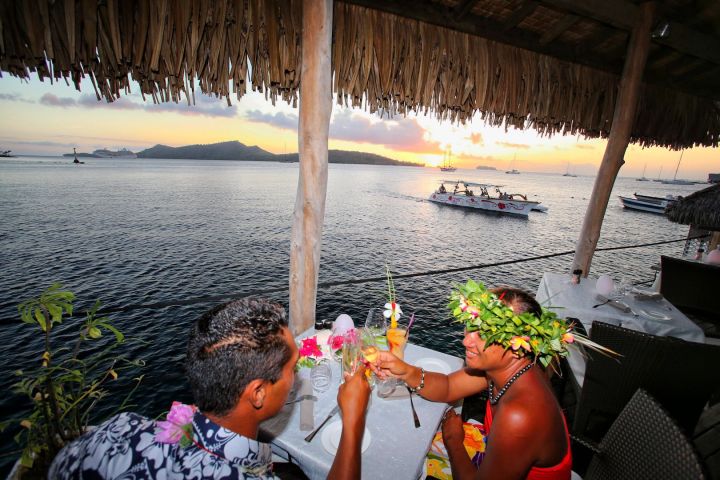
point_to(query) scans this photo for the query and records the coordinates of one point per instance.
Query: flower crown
(545, 338)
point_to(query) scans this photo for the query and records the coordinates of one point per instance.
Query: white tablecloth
(570, 300)
(397, 449)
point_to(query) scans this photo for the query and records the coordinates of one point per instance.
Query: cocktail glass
(377, 324)
(370, 351)
(397, 339)
(350, 352)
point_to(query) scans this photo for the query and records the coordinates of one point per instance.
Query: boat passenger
(469, 193)
(442, 188)
(527, 434)
(241, 366)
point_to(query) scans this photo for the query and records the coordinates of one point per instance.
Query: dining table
(392, 446)
(646, 312)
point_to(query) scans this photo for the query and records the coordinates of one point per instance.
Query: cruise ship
(124, 153)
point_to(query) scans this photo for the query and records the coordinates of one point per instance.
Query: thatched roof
(700, 209)
(552, 65)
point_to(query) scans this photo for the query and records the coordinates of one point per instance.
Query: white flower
(392, 309)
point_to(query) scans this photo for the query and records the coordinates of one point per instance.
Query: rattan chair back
(644, 443)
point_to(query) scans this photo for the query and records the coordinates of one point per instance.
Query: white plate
(433, 365)
(655, 314)
(331, 438)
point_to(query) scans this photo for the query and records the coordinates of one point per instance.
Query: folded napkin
(307, 405)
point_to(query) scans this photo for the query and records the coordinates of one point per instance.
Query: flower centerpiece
(392, 309)
(310, 352)
(545, 338)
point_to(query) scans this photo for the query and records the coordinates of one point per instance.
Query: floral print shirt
(125, 447)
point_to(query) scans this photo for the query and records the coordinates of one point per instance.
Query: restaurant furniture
(569, 300)
(693, 287)
(675, 372)
(644, 443)
(396, 449)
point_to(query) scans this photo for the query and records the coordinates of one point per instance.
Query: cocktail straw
(412, 319)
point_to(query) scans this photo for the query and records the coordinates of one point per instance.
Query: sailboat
(512, 171)
(675, 181)
(643, 179)
(567, 171)
(447, 163)
(658, 179)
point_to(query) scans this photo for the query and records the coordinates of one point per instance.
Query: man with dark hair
(241, 366)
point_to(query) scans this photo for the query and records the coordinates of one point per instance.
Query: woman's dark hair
(230, 346)
(519, 300)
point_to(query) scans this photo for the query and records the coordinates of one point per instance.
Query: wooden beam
(621, 14)
(314, 124)
(623, 120)
(463, 8)
(526, 9)
(566, 22)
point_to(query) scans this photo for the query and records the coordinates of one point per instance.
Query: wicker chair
(644, 443)
(692, 287)
(680, 374)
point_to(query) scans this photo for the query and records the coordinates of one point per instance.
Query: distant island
(235, 150)
(485, 167)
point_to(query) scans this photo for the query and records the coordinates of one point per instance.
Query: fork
(412, 406)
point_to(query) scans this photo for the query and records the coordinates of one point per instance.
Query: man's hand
(353, 396)
(452, 428)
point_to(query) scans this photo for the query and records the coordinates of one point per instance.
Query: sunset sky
(43, 119)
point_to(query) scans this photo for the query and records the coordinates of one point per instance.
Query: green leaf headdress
(545, 338)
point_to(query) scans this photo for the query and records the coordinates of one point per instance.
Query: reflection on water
(145, 231)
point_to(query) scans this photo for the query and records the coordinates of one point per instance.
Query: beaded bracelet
(422, 382)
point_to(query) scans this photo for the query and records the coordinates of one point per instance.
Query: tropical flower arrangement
(392, 309)
(321, 346)
(545, 338)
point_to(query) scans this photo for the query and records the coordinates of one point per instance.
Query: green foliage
(68, 382)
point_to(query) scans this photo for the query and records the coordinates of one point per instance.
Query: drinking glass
(350, 352)
(377, 324)
(397, 339)
(320, 376)
(370, 352)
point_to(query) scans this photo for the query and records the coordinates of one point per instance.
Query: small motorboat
(647, 203)
(461, 195)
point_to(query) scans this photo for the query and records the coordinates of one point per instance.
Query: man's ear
(255, 393)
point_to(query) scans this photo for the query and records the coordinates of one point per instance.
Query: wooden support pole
(315, 110)
(623, 121)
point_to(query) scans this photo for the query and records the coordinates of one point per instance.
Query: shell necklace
(505, 387)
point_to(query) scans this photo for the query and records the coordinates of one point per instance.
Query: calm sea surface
(147, 231)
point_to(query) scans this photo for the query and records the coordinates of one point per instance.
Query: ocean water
(150, 231)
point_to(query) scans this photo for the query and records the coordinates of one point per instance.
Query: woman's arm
(438, 387)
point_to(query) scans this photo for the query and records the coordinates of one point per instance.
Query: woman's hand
(452, 428)
(388, 365)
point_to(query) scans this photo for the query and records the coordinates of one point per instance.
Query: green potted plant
(72, 377)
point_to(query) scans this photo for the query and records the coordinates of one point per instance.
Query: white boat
(513, 172)
(647, 203)
(461, 195)
(124, 153)
(643, 178)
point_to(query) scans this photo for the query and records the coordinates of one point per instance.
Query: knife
(330, 415)
(623, 307)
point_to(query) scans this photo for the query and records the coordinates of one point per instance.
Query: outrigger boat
(460, 195)
(647, 203)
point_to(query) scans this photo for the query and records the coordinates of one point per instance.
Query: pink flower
(520, 342)
(310, 348)
(568, 338)
(472, 310)
(177, 425)
(336, 342)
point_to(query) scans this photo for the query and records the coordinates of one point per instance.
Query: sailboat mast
(678, 165)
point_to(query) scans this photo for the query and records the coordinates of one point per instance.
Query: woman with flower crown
(509, 342)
